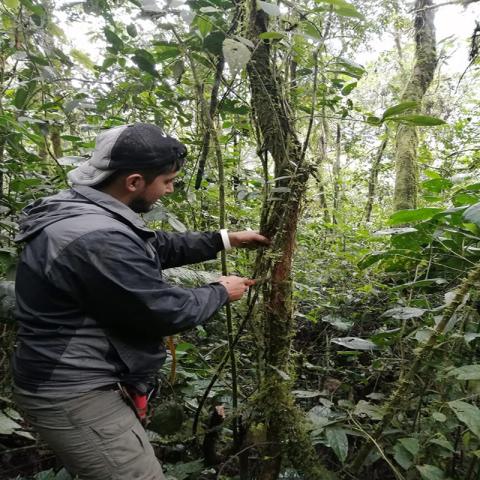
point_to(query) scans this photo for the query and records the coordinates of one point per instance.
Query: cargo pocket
(120, 441)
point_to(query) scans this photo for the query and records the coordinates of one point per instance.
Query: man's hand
(236, 286)
(247, 239)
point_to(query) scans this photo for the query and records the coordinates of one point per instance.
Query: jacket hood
(72, 203)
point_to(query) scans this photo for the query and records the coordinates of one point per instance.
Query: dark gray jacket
(92, 307)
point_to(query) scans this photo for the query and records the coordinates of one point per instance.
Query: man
(92, 307)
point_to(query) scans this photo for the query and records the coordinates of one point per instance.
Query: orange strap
(173, 352)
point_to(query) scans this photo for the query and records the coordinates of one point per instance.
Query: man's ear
(134, 182)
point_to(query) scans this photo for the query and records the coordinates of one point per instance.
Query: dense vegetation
(355, 356)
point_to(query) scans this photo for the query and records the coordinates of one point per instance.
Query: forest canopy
(345, 131)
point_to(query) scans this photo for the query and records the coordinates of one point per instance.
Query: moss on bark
(286, 436)
(406, 165)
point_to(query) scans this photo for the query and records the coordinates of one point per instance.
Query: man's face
(149, 194)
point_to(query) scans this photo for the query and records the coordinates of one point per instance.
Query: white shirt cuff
(225, 239)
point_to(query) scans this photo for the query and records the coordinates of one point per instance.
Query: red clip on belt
(140, 401)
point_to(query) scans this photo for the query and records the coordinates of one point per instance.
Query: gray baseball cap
(138, 145)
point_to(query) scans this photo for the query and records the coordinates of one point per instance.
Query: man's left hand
(247, 239)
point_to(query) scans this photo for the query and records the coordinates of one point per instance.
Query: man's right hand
(236, 286)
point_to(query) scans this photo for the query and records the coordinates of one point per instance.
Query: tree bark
(372, 181)
(275, 404)
(406, 167)
(337, 174)
(321, 162)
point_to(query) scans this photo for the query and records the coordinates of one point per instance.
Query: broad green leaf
(188, 277)
(271, 35)
(442, 442)
(348, 11)
(310, 31)
(71, 138)
(467, 372)
(56, 31)
(353, 69)
(372, 120)
(338, 441)
(354, 343)
(437, 185)
(176, 224)
(404, 313)
(145, 61)
(411, 444)
(13, 4)
(413, 215)
(468, 414)
(184, 470)
(421, 283)
(402, 456)
(113, 39)
(397, 109)
(338, 322)
(82, 58)
(283, 375)
(430, 472)
(306, 393)
(270, 9)
(319, 416)
(472, 214)
(343, 8)
(418, 120)
(204, 26)
(470, 336)
(335, 3)
(21, 96)
(7, 425)
(39, 60)
(348, 88)
(35, 9)
(213, 42)
(132, 30)
(245, 41)
(236, 54)
(395, 231)
(364, 408)
(210, 10)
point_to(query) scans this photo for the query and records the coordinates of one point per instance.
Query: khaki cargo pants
(96, 435)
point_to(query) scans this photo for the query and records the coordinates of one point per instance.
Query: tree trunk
(372, 181)
(275, 405)
(321, 163)
(336, 174)
(406, 168)
(56, 142)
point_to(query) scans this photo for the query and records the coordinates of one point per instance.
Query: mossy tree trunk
(337, 180)
(373, 178)
(406, 165)
(285, 435)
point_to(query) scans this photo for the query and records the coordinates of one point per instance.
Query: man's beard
(140, 205)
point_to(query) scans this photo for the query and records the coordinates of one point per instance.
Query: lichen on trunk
(406, 165)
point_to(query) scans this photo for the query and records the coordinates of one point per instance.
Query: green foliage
(368, 295)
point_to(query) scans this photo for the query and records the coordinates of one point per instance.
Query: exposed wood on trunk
(406, 168)
(273, 117)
